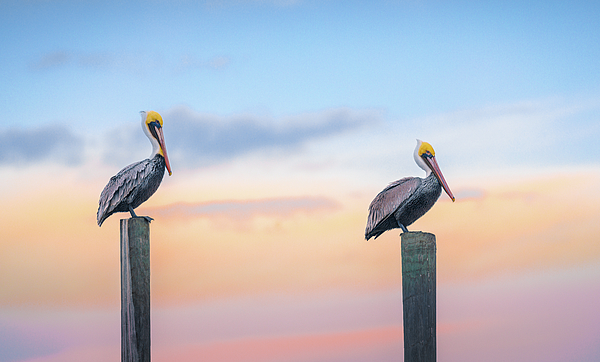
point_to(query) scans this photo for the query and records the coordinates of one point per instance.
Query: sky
(282, 120)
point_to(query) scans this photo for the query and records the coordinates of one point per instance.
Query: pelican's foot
(148, 218)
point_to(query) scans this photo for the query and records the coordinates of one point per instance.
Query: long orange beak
(432, 163)
(161, 141)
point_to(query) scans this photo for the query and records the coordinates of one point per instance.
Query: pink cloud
(542, 317)
(84, 353)
(245, 209)
(290, 348)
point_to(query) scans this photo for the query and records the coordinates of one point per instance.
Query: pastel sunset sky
(283, 119)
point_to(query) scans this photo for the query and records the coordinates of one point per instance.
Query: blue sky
(73, 62)
(90, 66)
(283, 119)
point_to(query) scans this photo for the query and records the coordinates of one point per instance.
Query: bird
(134, 184)
(404, 201)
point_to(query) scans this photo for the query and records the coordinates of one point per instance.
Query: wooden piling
(135, 290)
(419, 296)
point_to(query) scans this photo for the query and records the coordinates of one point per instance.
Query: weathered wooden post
(418, 296)
(135, 290)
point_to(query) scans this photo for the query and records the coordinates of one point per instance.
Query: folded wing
(383, 206)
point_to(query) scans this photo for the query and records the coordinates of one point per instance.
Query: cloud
(126, 61)
(356, 345)
(199, 140)
(102, 60)
(528, 133)
(19, 345)
(202, 139)
(469, 194)
(190, 61)
(126, 144)
(245, 210)
(52, 60)
(215, 4)
(56, 143)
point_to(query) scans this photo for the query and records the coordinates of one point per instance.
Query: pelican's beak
(161, 142)
(432, 163)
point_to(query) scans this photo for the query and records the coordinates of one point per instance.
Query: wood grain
(135, 290)
(418, 251)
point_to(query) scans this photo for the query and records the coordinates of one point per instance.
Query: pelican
(404, 201)
(135, 183)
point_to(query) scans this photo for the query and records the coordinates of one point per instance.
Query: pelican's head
(425, 158)
(152, 125)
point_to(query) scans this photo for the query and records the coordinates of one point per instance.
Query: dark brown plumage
(134, 184)
(404, 201)
(401, 204)
(131, 187)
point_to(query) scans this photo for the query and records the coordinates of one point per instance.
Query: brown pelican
(404, 201)
(137, 182)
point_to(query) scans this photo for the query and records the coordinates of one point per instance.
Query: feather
(384, 205)
(131, 187)
(404, 201)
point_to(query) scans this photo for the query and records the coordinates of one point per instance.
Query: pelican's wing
(119, 187)
(382, 207)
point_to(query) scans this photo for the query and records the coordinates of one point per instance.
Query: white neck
(419, 161)
(153, 141)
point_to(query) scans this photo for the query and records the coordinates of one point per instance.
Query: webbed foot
(148, 218)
